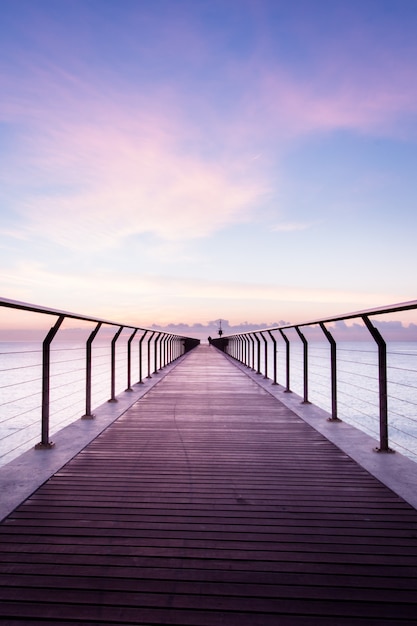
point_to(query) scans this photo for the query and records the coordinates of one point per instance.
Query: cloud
(392, 331)
(357, 100)
(130, 183)
(99, 167)
(102, 159)
(288, 227)
(143, 298)
(345, 70)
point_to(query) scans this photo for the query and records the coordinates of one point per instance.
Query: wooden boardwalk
(210, 503)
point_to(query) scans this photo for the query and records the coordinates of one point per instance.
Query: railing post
(287, 360)
(333, 371)
(169, 348)
(164, 345)
(265, 354)
(162, 351)
(258, 354)
(274, 341)
(244, 349)
(248, 349)
(253, 350)
(305, 364)
(140, 381)
(129, 361)
(149, 355)
(88, 376)
(383, 387)
(161, 339)
(113, 365)
(46, 368)
(155, 353)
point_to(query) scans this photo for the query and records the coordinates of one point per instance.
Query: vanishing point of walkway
(207, 503)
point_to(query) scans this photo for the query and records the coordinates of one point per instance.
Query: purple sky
(184, 161)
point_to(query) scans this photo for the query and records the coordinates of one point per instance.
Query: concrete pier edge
(396, 471)
(22, 476)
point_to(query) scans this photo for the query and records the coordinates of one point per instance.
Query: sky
(180, 161)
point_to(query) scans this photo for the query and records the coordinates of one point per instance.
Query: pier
(209, 501)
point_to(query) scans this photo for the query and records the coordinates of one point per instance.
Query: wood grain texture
(207, 503)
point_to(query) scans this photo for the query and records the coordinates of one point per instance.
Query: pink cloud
(122, 161)
(288, 108)
(357, 77)
(125, 181)
(137, 297)
(122, 166)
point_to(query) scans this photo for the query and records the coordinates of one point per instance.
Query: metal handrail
(179, 344)
(233, 345)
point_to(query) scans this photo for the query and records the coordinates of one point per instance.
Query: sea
(21, 387)
(357, 384)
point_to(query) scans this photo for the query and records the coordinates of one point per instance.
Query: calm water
(357, 384)
(358, 401)
(21, 388)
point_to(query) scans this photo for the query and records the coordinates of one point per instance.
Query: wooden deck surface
(210, 503)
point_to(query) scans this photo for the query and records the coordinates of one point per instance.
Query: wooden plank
(208, 503)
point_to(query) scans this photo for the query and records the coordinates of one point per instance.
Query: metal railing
(154, 350)
(258, 350)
